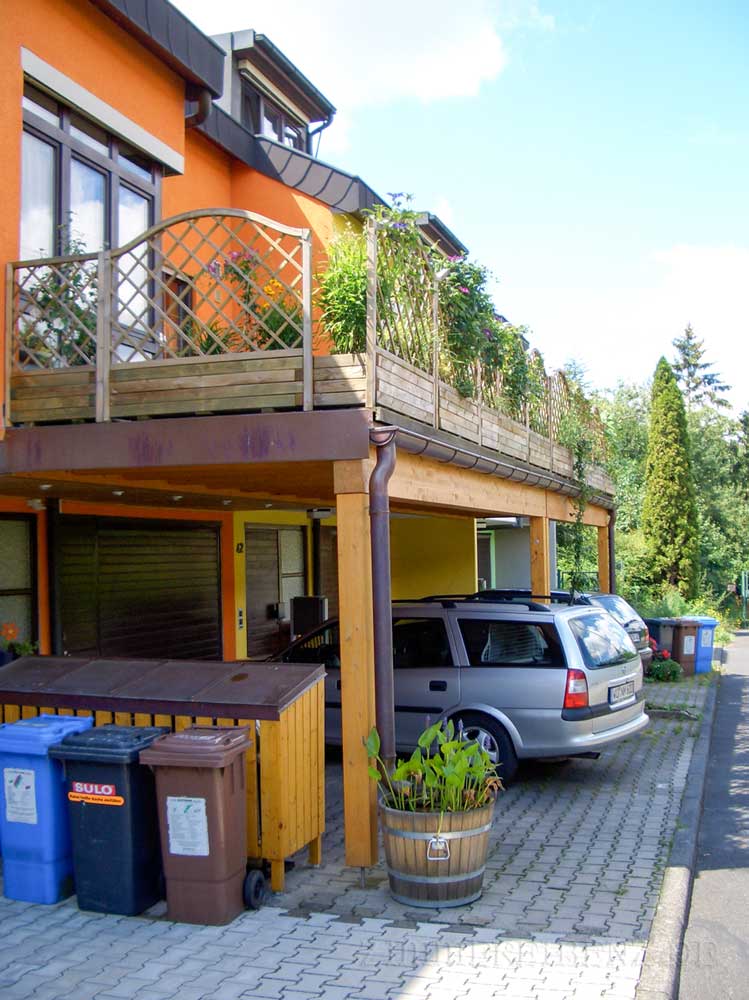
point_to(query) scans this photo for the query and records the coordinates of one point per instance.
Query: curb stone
(659, 979)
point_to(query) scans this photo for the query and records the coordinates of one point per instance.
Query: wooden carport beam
(357, 660)
(540, 555)
(604, 562)
(437, 487)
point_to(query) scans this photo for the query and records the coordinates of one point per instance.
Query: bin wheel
(254, 890)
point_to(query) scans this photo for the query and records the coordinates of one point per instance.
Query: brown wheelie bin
(200, 789)
(684, 649)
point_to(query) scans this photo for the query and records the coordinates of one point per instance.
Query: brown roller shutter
(329, 568)
(139, 589)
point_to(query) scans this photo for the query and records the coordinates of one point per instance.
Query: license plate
(621, 692)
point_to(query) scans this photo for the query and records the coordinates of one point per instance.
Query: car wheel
(493, 738)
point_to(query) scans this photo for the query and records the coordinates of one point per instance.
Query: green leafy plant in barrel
(445, 773)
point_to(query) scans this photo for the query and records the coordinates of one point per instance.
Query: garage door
(146, 588)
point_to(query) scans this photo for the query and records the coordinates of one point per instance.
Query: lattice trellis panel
(55, 308)
(405, 298)
(198, 285)
(205, 285)
(559, 402)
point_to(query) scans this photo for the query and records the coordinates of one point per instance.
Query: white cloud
(364, 55)
(444, 209)
(620, 332)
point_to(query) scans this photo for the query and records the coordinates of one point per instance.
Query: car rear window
(624, 613)
(602, 641)
(490, 643)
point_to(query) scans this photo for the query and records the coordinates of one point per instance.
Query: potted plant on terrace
(436, 809)
(11, 646)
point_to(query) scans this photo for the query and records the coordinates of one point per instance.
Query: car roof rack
(507, 593)
(436, 598)
(451, 600)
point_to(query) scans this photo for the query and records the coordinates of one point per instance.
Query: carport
(211, 470)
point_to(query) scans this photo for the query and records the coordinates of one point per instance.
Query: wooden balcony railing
(123, 332)
(211, 312)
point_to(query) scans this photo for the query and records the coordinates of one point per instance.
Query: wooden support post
(11, 347)
(357, 676)
(540, 556)
(308, 388)
(103, 336)
(371, 343)
(315, 850)
(604, 568)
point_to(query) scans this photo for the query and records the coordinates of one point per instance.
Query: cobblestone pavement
(574, 871)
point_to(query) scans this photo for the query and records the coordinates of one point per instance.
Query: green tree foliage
(669, 513)
(625, 412)
(740, 454)
(721, 496)
(699, 384)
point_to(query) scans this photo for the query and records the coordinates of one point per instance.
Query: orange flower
(8, 631)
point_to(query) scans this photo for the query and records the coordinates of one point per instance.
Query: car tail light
(576, 691)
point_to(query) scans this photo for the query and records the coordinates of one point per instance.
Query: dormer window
(263, 116)
(269, 95)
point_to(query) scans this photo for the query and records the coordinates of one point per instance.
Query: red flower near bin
(9, 631)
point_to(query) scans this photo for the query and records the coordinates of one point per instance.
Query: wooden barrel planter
(431, 868)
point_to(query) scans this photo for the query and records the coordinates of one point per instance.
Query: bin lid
(702, 620)
(108, 744)
(686, 622)
(35, 736)
(661, 621)
(198, 746)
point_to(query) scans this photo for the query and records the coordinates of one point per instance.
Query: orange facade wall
(206, 182)
(81, 42)
(256, 192)
(213, 179)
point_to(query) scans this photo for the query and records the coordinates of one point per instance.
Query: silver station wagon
(526, 680)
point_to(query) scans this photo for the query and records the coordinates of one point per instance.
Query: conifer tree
(669, 513)
(700, 385)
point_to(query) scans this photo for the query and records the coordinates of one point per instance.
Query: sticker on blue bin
(707, 638)
(20, 795)
(187, 823)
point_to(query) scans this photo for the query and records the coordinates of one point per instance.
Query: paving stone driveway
(574, 871)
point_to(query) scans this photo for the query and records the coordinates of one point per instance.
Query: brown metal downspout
(383, 438)
(205, 103)
(612, 552)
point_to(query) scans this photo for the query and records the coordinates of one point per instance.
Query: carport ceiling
(249, 487)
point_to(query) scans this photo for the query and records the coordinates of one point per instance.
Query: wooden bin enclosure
(283, 703)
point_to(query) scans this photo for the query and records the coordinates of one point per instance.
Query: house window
(17, 585)
(82, 189)
(264, 117)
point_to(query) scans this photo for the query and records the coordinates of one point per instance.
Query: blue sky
(593, 154)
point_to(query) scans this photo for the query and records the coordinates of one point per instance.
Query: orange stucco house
(182, 451)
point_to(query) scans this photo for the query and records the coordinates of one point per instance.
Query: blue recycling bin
(706, 626)
(37, 854)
